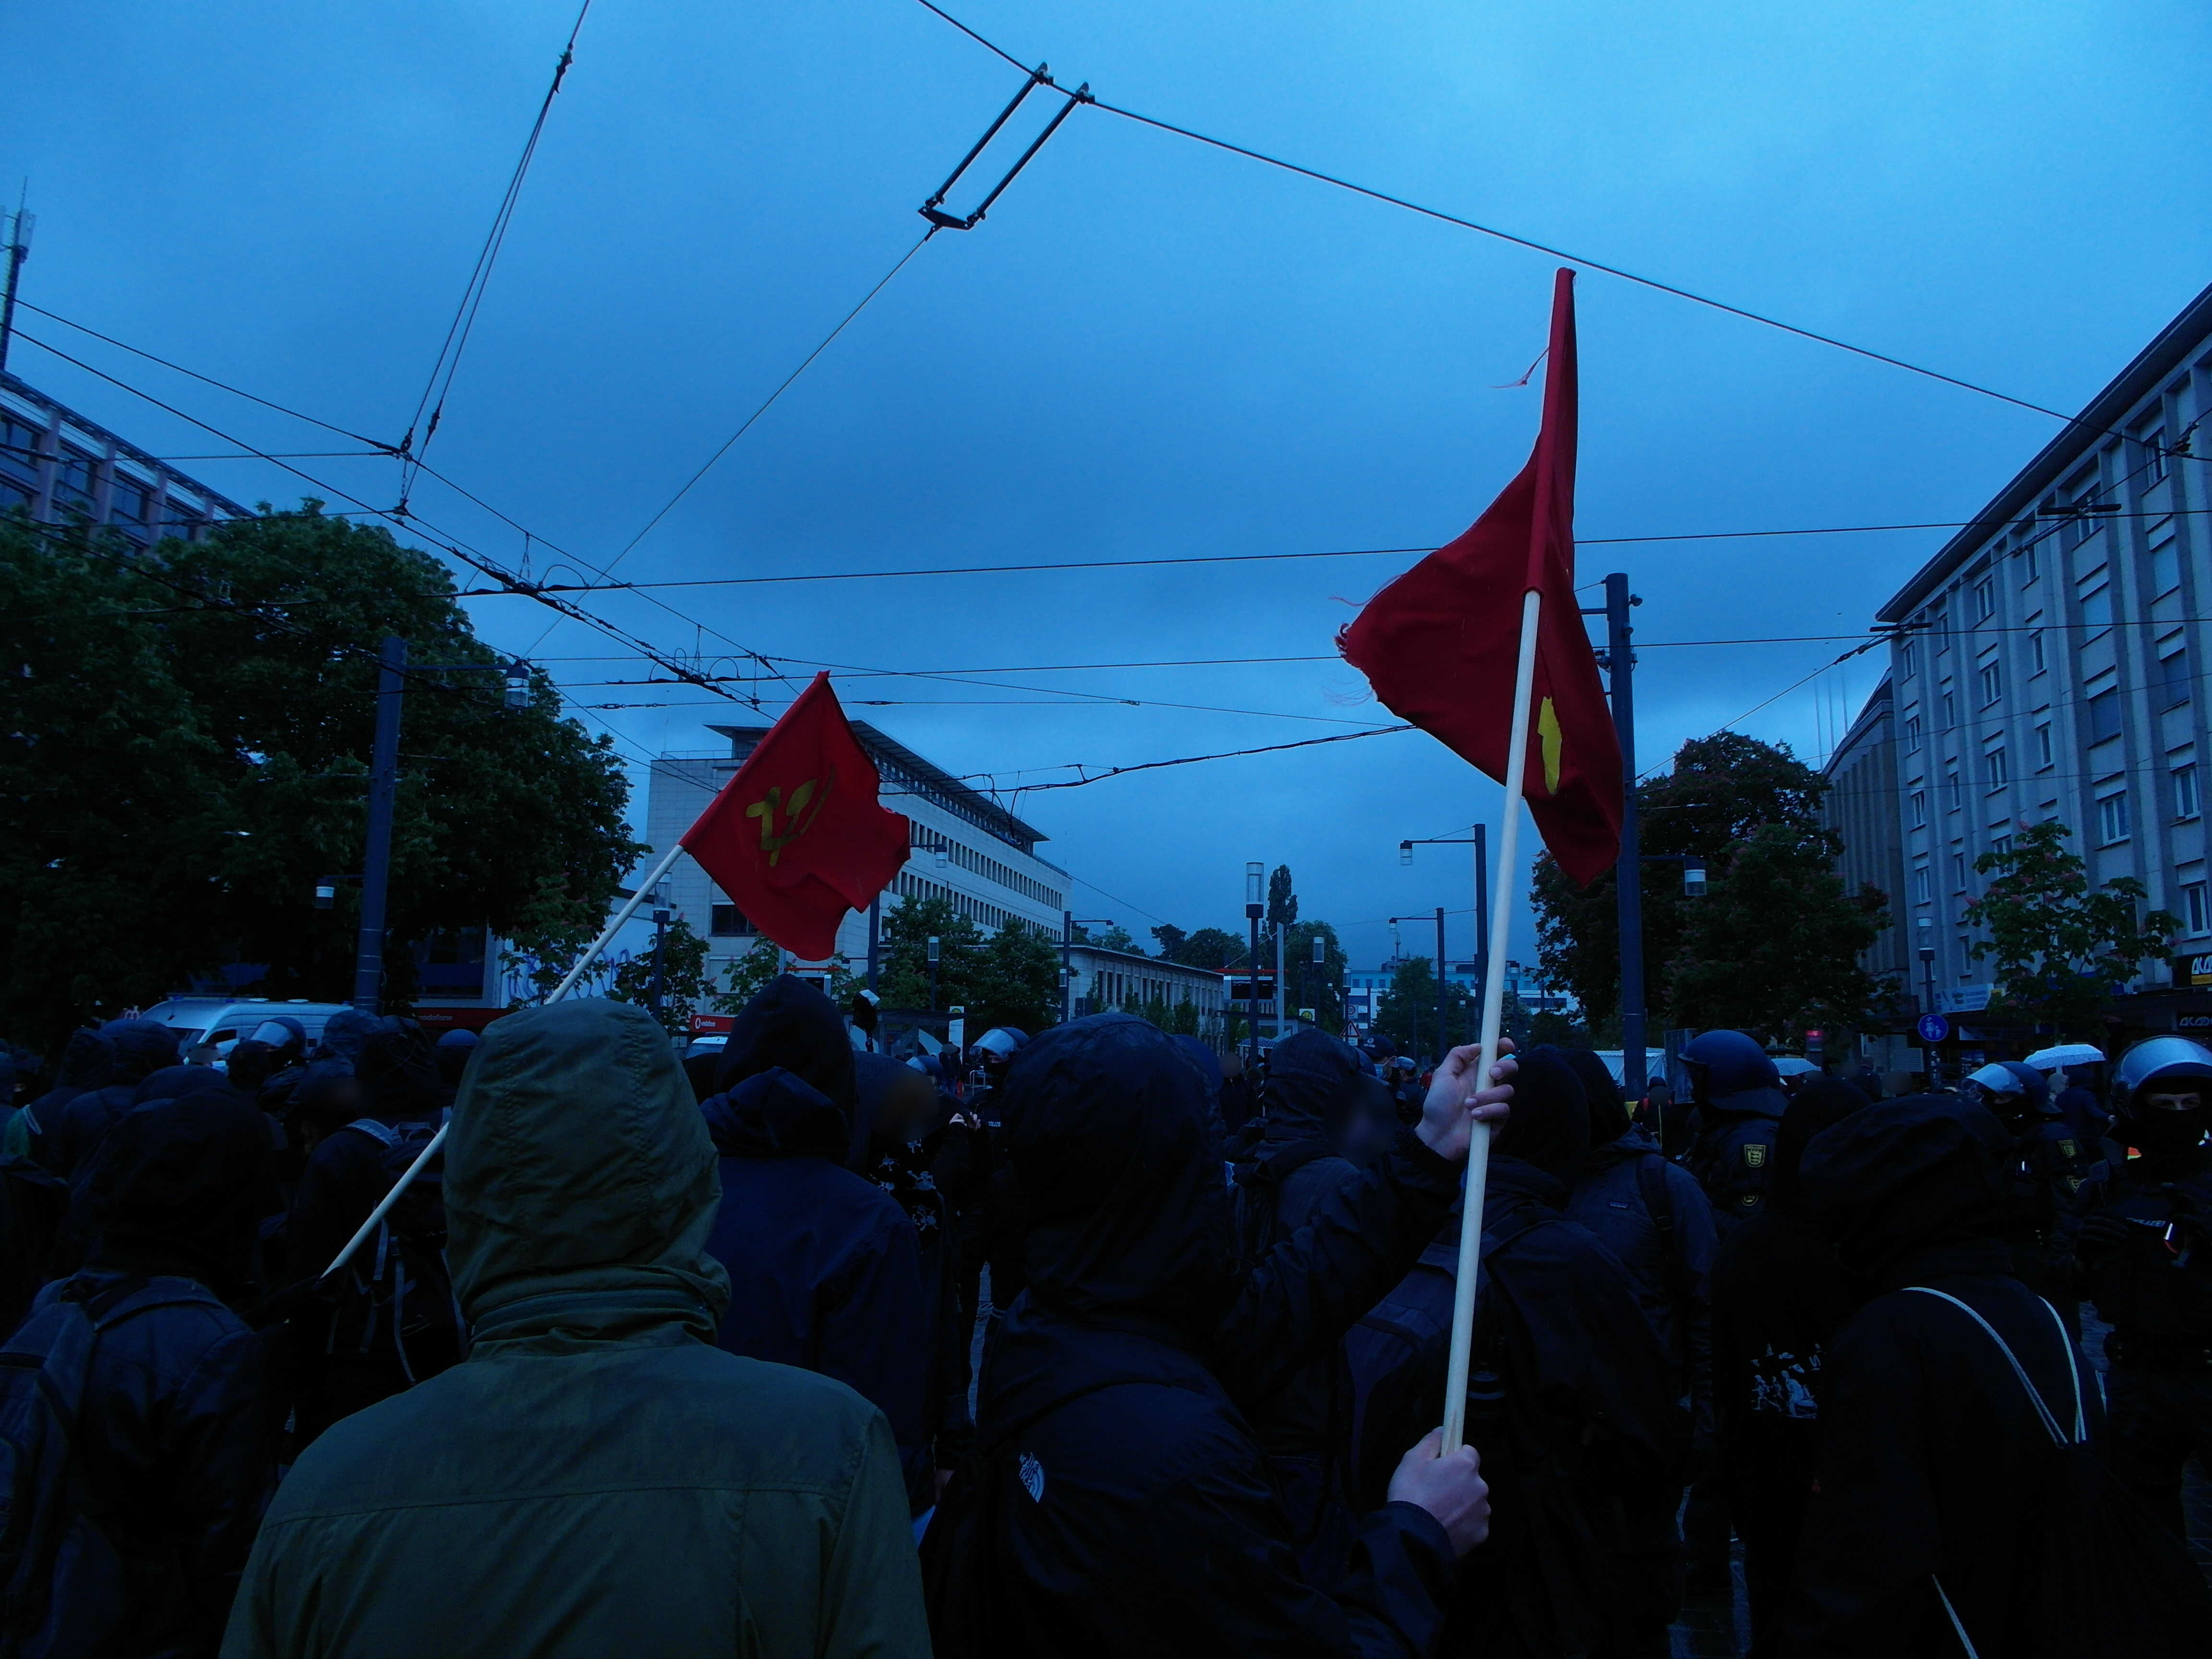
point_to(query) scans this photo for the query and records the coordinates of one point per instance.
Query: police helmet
(2165, 1059)
(1001, 1041)
(2022, 1087)
(1728, 1063)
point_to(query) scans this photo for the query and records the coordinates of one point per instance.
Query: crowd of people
(1111, 1346)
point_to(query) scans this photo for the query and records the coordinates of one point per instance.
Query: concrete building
(1101, 980)
(967, 848)
(1860, 806)
(2049, 663)
(61, 468)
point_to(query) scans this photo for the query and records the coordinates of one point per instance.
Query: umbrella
(1791, 1066)
(2066, 1053)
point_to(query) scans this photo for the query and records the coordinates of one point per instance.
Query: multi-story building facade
(60, 468)
(2050, 663)
(1101, 980)
(967, 849)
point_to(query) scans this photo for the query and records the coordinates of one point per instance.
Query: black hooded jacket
(178, 1458)
(137, 1049)
(1571, 1401)
(88, 1062)
(824, 1265)
(1126, 1507)
(1933, 1461)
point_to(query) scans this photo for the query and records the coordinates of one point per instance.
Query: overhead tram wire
(1544, 248)
(448, 360)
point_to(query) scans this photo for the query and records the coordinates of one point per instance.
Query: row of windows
(985, 866)
(2112, 809)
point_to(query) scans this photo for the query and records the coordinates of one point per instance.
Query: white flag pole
(638, 896)
(1493, 1010)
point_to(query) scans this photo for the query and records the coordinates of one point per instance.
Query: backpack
(1258, 1189)
(61, 1587)
(2105, 1577)
(396, 1295)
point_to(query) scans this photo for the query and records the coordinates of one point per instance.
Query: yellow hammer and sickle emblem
(1547, 732)
(797, 818)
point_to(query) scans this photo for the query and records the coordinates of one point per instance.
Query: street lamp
(1927, 932)
(1255, 881)
(933, 973)
(660, 912)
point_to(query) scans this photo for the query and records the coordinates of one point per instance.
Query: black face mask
(2159, 1130)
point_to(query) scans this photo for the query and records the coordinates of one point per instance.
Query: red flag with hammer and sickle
(798, 837)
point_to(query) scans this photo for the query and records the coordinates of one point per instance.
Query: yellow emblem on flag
(1547, 731)
(797, 818)
(1754, 1155)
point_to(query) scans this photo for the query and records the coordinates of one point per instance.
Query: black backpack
(1259, 1191)
(2105, 1579)
(395, 1294)
(61, 1590)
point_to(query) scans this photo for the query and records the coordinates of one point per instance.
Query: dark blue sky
(1149, 348)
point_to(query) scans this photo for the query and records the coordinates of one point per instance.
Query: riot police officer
(2144, 1241)
(2043, 1177)
(1739, 1104)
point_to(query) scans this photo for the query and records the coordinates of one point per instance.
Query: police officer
(2144, 1241)
(1739, 1104)
(2047, 1171)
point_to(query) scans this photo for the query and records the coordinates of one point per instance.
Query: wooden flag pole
(1493, 1011)
(375, 1216)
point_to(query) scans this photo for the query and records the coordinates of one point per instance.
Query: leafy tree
(188, 735)
(1172, 939)
(1318, 985)
(751, 973)
(1209, 947)
(1116, 938)
(1407, 1013)
(1720, 789)
(1019, 984)
(2060, 948)
(1561, 1031)
(903, 967)
(685, 982)
(1282, 902)
(1773, 947)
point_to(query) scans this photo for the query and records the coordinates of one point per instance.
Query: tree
(685, 983)
(1282, 902)
(1172, 939)
(1116, 938)
(2061, 948)
(903, 967)
(1720, 789)
(188, 737)
(1408, 1012)
(1318, 985)
(1019, 982)
(1773, 948)
(1209, 947)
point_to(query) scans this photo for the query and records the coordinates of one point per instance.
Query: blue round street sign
(1934, 1028)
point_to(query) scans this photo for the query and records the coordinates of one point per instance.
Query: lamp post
(933, 973)
(660, 910)
(1320, 960)
(1480, 842)
(1927, 930)
(1255, 878)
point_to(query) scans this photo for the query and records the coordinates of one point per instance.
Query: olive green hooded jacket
(597, 1478)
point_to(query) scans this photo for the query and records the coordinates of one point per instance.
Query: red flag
(1439, 644)
(798, 838)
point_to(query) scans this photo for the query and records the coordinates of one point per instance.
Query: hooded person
(1117, 1504)
(825, 1266)
(1778, 1296)
(1327, 1115)
(1739, 1100)
(453, 1051)
(88, 1062)
(1655, 1219)
(596, 1477)
(175, 1456)
(2143, 1240)
(1925, 1533)
(1569, 1399)
(137, 1049)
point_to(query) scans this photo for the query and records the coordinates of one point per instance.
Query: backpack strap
(384, 1134)
(1659, 1203)
(2050, 1422)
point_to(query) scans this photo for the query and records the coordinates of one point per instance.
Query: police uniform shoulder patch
(1754, 1155)
(2067, 1149)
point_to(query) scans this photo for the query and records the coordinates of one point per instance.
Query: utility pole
(383, 790)
(875, 937)
(659, 946)
(1443, 991)
(1256, 876)
(13, 252)
(1067, 971)
(1628, 873)
(1282, 935)
(933, 947)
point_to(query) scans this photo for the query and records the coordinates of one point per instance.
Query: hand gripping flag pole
(1493, 1011)
(797, 838)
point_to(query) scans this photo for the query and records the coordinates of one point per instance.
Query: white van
(224, 1020)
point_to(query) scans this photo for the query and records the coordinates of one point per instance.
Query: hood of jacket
(88, 1062)
(1815, 1107)
(1112, 1144)
(174, 1082)
(579, 1182)
(1608, 1111)
(792, 1024)
(139, 1048)
(1313, 1080)
(399, 1070)
(345, 1033)
(777, 1114)
(1896, 1183)
(1549, 1126)
(179, 1183)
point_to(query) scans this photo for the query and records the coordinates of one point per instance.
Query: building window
(1911, 733)
(1919, 809)
(1951, 799)
(1906, 660)
(1993, 768)
(2001, 845)
(2104, 716)
(2043, 760)
(727, 922)
(1989, 682)
(2153, 461)
(1950, 708)
(2097, 607)
(1924, 885)
(1958, 872)
(2185, 791)
(2112, 818)
(1985, 599)
(2029, 558)
(2036, 664)
(2197, 907)
(2174, 676)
